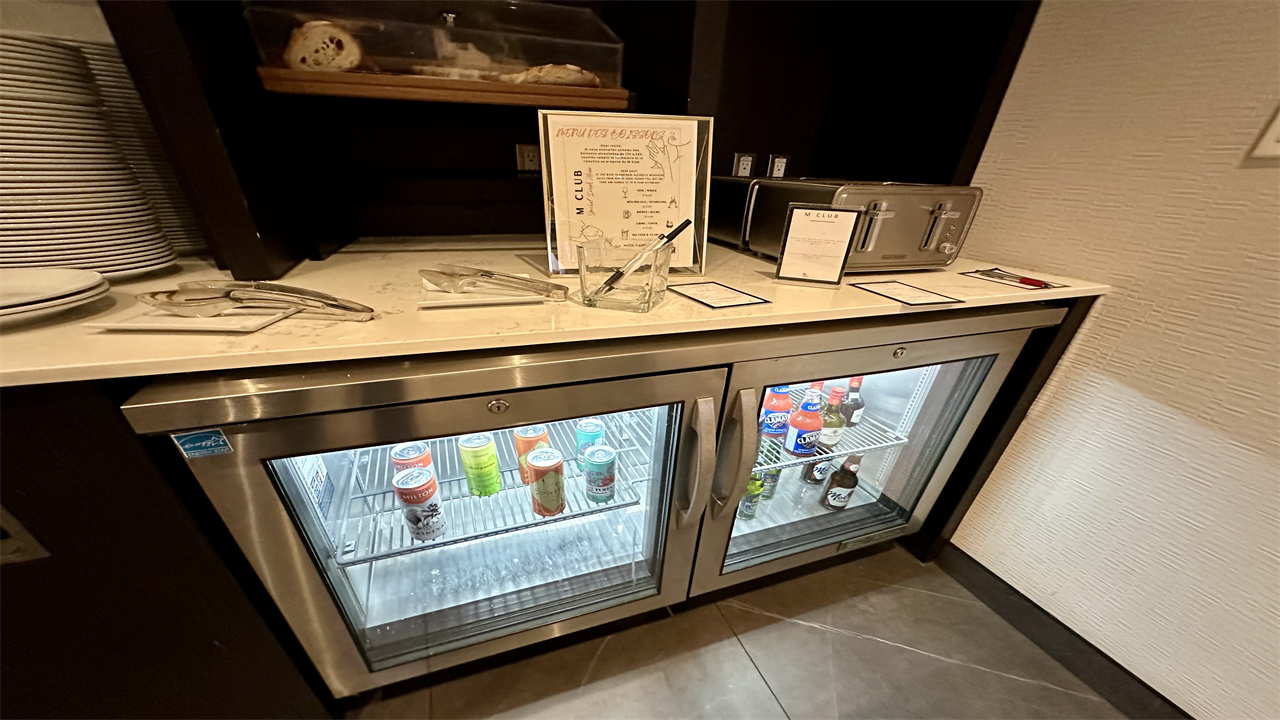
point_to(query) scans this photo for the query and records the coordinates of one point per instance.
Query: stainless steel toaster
(902, 227)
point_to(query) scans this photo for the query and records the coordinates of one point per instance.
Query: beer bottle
(853, 404)
(832, 421)
(842, 483)
(817, 472)
(751, 500)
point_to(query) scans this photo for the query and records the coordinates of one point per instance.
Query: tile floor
(881, 637)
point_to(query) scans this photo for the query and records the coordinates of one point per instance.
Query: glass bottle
(842, 483)
(751, 500)
(832, 420)
(853, 404)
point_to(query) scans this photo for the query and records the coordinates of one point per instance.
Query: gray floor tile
(933, 622)
(687, 666)
(898, 567)
(820, 672)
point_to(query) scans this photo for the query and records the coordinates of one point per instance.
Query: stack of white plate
(32, 293)
(68, 197)
(137, 137)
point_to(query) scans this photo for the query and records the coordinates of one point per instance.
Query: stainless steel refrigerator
(300, 462)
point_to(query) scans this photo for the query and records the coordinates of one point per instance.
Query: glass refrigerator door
(442, 531)
(840, 450)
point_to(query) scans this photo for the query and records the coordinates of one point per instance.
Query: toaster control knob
(947, 248)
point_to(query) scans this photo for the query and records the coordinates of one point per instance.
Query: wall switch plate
(528, 158)
(778, 165)
(743, 164)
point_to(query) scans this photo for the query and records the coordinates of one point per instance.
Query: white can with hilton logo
(419, 494)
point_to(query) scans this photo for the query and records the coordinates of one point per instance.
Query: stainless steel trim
(747, 433)
(245, 497)
(704, 423)
(212, 399)
(717, 529)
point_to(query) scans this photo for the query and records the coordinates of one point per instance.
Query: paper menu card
(625, 178)
(816, 243)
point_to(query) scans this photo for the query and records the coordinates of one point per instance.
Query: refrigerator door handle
(704, 426)
(747, 447)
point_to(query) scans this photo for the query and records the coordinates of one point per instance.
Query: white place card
(816, 243)
(904, 293)
(715, 295)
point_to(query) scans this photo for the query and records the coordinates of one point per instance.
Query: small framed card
(815, 243)
(715, 295)
(904, 293)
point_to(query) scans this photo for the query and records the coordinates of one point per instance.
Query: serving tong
(211, 298)
(460, 278)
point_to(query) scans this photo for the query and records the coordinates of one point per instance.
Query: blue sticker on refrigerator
(202, 443)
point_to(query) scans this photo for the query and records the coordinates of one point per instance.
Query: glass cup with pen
(626, 278)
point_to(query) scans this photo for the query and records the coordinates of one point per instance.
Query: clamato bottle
(774, 412)
(804, 426)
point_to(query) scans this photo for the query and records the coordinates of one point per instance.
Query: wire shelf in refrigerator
(373, 527)
(860, 439)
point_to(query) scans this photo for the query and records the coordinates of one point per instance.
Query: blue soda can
(590, 433)
(599, 468)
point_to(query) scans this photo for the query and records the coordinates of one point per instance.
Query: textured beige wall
(1140, 502)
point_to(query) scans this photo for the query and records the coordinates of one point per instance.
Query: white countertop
(62, 349)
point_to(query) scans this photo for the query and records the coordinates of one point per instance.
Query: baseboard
(1116, 685)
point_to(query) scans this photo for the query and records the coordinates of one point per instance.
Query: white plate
(107, 253)
(67, 82)
(15, 249)
(21, 287)
(74, 223)
(11, 121)
(7, 321)
(67, 211)
(94, 292)
(67, 188)
(35, 107)
(92, 261)
(99, 265)
(55, 150)
(119, 275)
(81, 234)
(90, 197)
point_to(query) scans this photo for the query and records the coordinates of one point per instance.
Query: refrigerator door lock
(499, 406)
(899, 352)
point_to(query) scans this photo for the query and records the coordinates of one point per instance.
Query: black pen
(657, 244)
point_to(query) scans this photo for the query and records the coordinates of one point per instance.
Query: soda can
(547, 489)
(419, 494)
(599, 466)
(480, 463)
(410, 455)
(770, 479)
(529, 438)
(590, 433)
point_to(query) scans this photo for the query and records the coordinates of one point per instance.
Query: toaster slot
(877, 212)
(937, 223)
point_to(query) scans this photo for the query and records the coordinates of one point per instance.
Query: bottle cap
(836, 393)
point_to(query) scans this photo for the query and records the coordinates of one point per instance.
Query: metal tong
(460, 278)
(210, 298)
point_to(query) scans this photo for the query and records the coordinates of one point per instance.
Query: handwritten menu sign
(627, 178)
(815, 244)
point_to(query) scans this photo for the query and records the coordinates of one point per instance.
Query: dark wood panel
(133, 614)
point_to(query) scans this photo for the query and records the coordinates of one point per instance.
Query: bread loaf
(553, 75)
(321, 45)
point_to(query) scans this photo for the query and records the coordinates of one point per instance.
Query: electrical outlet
(528, 159)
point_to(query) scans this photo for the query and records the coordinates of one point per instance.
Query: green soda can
(480, 463)
(590, 433)
(599, 467)
(751, 500)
